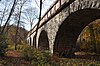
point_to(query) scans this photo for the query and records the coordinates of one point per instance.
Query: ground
(13, 58)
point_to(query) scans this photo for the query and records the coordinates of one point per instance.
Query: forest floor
(13, 58)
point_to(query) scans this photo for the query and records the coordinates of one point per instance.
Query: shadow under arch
(71, 28)
(43, 43)
(34, 41)
(30, 41)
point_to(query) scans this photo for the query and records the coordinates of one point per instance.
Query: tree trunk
(16, 35)
(39, 19)
(11, 12)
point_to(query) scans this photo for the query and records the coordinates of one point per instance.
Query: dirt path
(13, 58)
(13, 53)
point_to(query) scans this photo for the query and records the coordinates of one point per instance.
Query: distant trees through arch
(71, 28)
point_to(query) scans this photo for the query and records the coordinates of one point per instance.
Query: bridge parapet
(56, 5)
(82, 4)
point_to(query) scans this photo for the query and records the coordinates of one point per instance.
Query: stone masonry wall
(52, 26)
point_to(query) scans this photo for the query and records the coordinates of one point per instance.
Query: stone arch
(43, 43)
(71, 27)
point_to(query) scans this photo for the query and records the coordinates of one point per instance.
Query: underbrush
(35, 56)
(3, 62)
(40, 58)
(3, 45)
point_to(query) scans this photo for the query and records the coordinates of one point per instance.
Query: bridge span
(61, 25)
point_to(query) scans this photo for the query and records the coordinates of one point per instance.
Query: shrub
(40, 58)
(3, 63)
(35, 56)
(3, 45)
(27, 53)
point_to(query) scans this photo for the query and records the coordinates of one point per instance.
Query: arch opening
(89, 40)
(43, 43)
(71, 28)
(30, 41)
(34, 41)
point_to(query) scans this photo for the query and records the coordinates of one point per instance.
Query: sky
(35, 3)
(46, 4)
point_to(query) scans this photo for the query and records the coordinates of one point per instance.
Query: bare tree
(10, 14)
(4, 11)
(3, 14)
(31, 15)
(18, 17)
(39, 19)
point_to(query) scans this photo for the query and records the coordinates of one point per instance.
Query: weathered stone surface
(53, 26)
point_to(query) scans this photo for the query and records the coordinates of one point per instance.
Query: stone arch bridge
(61, 25)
